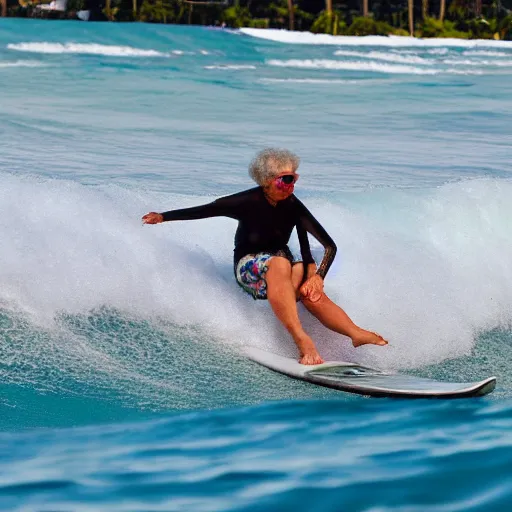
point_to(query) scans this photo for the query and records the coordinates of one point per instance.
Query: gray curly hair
(271, 162)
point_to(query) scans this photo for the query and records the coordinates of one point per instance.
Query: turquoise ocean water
(122, 386)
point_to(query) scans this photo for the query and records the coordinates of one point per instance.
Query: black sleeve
(229, 206)
(305, 250)
(308, 223)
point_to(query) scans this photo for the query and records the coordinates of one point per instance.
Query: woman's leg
(281, 294)
(297, 277)
(335, 319)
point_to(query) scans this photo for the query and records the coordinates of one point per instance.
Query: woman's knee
(298, 273)
(278, 265)
(297, 278)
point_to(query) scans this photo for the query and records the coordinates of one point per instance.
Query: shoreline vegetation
(464, 19)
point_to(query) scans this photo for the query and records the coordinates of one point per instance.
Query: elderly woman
(264, 265)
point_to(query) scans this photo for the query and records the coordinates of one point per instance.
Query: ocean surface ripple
(298, 455)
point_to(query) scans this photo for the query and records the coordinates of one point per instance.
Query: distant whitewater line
(389, 57)
(376, 67)
(486, 53)
(234, 67)
(467, 62)
(416, 59)
(85, 49)
(309, 81)
(22, 64)
(286, 36)
(347, 65)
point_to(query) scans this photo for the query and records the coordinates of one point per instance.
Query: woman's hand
(313, 288)
(152, 218)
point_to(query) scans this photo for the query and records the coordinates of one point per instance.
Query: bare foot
(363, 337)
(307, 349)
(313, 358)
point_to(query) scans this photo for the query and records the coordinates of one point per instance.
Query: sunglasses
(287, 179)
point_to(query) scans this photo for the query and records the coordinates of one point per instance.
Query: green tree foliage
(435, 28)
(329, 23)
(237, 16)
(366, 26)
(505, 28)
(157, 11)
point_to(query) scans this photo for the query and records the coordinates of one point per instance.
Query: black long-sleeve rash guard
(263, 227)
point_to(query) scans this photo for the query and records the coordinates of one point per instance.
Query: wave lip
(291, 37)
(84, 49)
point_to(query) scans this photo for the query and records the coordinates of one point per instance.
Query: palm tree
(134, 9)
(424, 8)
(410, 4)
(3, 5)
(442, 10)
(291, 14)
(365, 8)
(328, 12)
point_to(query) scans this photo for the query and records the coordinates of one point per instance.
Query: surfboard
(355, 378)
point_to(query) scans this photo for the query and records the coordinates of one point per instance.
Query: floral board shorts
(250, 272)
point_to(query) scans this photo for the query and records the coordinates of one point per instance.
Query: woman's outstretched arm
(229, 206)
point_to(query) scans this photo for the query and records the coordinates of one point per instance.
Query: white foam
(22, 64)
(485, 53)
(388, 57)
(85, 49)
(438, 51)
(428, 271)
(350, 65)
(326, 81)
(403, 51)
(231, 67)
(77, 248)
(464, 72)
(293, 37)
(376, 67)
(467, 62)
